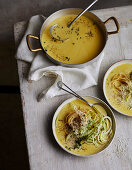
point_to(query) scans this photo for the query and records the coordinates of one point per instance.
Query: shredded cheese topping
(121, 85)
(87, 126)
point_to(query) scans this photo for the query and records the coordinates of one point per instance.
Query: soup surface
(118, 88)
(81, 129)
(83, 41)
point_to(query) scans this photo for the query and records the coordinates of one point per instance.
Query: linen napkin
(76, 78)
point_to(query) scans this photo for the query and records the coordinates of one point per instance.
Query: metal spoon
(53, 26)
(51, 29)
(70, 91)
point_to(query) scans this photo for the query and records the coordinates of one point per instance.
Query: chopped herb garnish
(90, 34)
(54, 39)
(45, 48)
(78, 143)
(67, 148)
(58, 37)
(77, 29)
(68, 58)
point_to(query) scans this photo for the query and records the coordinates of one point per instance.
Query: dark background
(13, 151)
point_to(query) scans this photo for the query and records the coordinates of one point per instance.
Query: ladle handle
(60, 83)
(82, 13)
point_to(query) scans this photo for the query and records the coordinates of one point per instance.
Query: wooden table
(44, 152)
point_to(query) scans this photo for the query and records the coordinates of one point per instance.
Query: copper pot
(73, 11)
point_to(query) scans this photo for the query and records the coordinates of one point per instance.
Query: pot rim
(74, 65)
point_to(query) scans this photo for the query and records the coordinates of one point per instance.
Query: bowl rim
(114, 65)
(60, 107)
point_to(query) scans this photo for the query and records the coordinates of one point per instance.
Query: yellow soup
(83, 41)
(81, 130)
(118, 88)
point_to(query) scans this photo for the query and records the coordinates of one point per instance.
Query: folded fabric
(76, 78)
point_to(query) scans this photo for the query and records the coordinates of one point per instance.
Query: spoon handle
(82, 13)
(60, 83)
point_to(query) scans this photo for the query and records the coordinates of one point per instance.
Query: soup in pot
(83, 41)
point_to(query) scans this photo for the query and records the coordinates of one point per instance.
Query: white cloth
(76, 78)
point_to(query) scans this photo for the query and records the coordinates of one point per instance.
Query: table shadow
(13, 149)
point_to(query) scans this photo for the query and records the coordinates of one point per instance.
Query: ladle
(69, 25)
(70, 91)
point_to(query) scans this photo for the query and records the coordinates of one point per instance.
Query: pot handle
(29, 45)
(116, 23)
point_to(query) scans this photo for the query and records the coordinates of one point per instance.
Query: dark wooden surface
(13, 151)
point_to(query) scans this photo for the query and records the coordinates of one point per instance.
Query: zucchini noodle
(87, 126)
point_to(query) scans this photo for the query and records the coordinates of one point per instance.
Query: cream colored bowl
(105, 77)
(108, 110)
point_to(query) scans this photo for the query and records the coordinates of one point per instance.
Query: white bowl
(109, 112)
(106, 75)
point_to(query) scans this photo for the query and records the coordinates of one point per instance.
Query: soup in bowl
(82, 131)
(117, 86)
